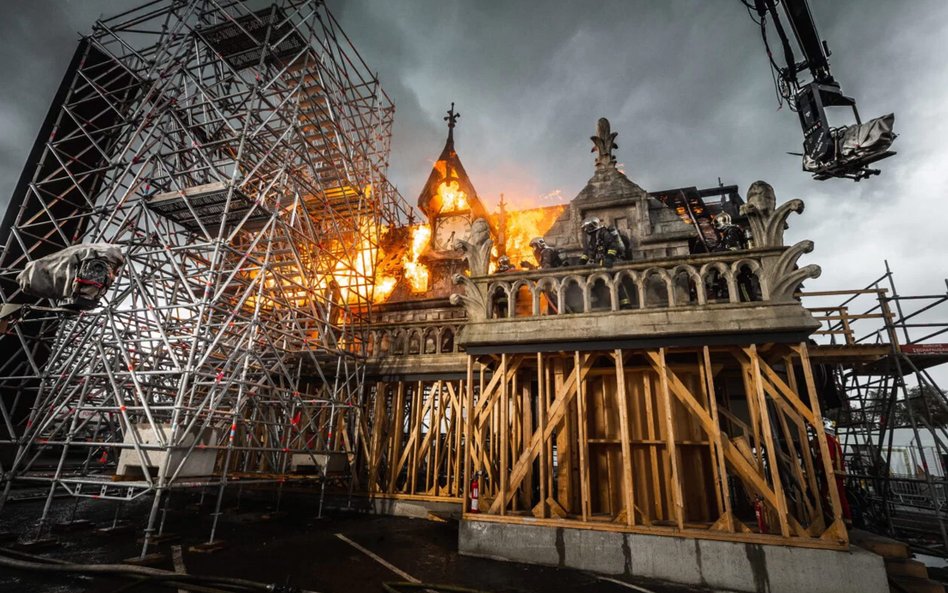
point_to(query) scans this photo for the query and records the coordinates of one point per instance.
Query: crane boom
(828, 152)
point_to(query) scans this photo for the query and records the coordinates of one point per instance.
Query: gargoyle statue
(477, 250)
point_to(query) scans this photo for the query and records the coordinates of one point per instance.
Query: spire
(452, 119)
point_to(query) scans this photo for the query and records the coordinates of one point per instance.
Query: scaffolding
(237, 156)
(893, 419)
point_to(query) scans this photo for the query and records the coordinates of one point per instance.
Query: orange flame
(415, 272)
(452, 198)
(524, 225)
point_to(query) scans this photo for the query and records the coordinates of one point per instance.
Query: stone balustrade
(716, 278)
(734, 296)
(413, 338)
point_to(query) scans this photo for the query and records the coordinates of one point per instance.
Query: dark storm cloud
(685, 83)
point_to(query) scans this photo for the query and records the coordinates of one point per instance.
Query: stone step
(888, 548)
(906, 568)
(905, 584)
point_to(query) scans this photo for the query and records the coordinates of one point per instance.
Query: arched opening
(572, 297)
(399, 345)
(499, 303)
(628, 292)
(370, 343)
(686, 291)
(385, 343)
(523, 301)
(656, 291)
(546, 297)
(414, 342)
(600, 297)
(748, 284)
(715, 286)
(447, 340)
(431, 342)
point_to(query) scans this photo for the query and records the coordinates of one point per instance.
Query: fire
(358, 279)
(522, 226)
(416, 273)
(452, 198)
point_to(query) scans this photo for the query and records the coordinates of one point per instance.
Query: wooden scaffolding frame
(693, 440)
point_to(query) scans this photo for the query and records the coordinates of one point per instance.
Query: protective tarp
(80, 274)
(854, 143)
(872, 137)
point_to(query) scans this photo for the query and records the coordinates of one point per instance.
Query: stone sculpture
(604, 143)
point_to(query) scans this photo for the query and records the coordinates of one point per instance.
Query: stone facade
(653, 230)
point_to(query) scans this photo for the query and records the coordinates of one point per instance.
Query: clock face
(450, 229)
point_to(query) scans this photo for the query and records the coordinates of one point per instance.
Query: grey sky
(684, 82)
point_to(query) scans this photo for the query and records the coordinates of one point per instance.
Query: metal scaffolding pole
(238, 159)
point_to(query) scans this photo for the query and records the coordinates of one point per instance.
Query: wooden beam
(821, 439)
(582, 427)
(670, 439)
(717, 453)
(769, 440)
(624, 436)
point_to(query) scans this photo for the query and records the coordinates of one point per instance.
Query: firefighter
(731, 237)
(501, 301)
(546, 256)
(602, 245)
(504, 265)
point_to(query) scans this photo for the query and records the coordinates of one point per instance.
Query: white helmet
(591, 225)
(537, 243)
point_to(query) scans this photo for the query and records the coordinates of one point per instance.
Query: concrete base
(731, 566)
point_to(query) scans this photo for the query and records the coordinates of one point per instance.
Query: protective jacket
(602, 247)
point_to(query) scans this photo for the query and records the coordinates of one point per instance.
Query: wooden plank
(566, 445)
(717, 458)
(782, 389)
(504, 435)
(541, 429)
(469, 403)
(769, 440)
(556, 412)
(821, 439)
(378, 424)
(805, 442)
(526, 411)
(582, 430)
(651, 419)
(742, 466)
(624, 436)
(398, 433)
(670, 437)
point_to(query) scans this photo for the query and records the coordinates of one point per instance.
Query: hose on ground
(20, 561)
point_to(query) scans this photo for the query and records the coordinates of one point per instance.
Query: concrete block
(733, 566)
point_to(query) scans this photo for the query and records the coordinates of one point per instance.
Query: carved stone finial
(477, 249)
(767, 222)
(472, 299)
(604, 143)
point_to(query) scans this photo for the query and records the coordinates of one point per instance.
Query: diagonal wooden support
(556, 412)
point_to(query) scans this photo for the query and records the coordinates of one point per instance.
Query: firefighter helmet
(537, 243)
(591, 225)
(721, 220)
